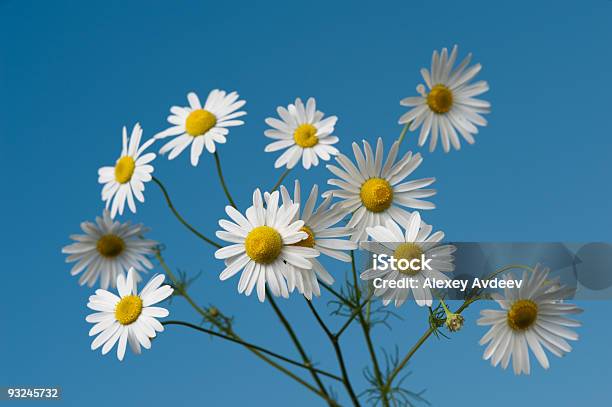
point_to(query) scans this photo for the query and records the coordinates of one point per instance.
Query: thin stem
(231, 333)
(411, 352)
(223, 184)
(344, 300)
(181, 219)
(281, 179)
(365, 327)
(419, 343)
(403, 133)
(184, 292)
(334, 340)
(353, 315)
(295, 340)
(250, 346)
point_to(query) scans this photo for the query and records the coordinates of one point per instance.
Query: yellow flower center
(306, 135)
(128, 309)
(309, 241)
(110, 246)
(440, 99)
(522, 314)
(124, 169)
(263, 244)
(376, 194)
(408, 251)
(199, 122)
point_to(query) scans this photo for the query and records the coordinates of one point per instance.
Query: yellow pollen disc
(306, 135)
(440, 99)
(124, 169)
(128, 309)
(263, 244)
(408, 251)
(309, 241)
(376, 194)
(199, 122)
(110, 246)
(522, 314)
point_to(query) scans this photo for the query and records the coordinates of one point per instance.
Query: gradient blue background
(73, 73)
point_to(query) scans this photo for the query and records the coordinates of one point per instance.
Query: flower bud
(454, 322)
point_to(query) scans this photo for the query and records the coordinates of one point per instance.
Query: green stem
(344, 300)
(431, 329)
(250, 346)
(411, 352)
(334, 340)
(403, 133)
(295, 340)
(231, 333)
(181, 219)
(225, 189)
(365, 327)
(353, 315)
(420, 342)
(281, 179)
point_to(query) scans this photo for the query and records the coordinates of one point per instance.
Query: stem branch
(365, 326)
(295, 340)
(230, 332)
(225, 189)
(250, 346)
(181, 219)
(281, 179)
(334, 340)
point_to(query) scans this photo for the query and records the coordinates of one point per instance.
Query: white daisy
(450, 106)
(263, 242)
(322, 236)
(107, 250)
(199, 126)
(129, 317)
(532, 317)
(373, 192)
(414, 243)
(304, 133)
(126, 179)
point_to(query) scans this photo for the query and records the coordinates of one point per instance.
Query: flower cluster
(277, 243)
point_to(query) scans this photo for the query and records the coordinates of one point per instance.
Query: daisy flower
(201, 126)
(263, 245)
(107, 250)
(532, 317)
(322, 236)
(416, 241)
(374, 192)
(450, 105)
(126, 179)
(303, 132)
(129, 317)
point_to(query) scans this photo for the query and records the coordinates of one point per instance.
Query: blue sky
(73, 73)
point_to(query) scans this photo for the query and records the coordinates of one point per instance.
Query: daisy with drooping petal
(304, 133)
(129, 317)
(374, 192)
(532, 317)
(107, 250)
(416, 241)
(322, 236)
(450, 105)
(262, 242)
(200, 126)
(126, 179)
